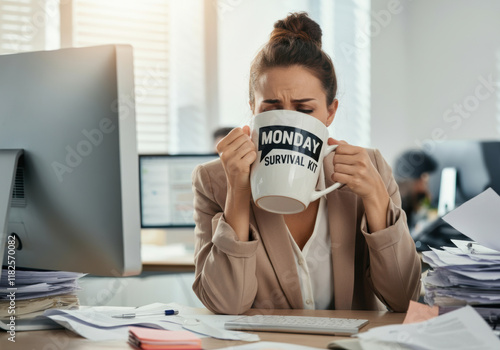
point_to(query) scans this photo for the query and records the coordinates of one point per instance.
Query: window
(145, 26)
(28, 25)
(351, 56)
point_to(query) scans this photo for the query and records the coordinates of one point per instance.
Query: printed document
(462, 329)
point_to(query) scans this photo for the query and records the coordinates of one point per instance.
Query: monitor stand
(8, 167)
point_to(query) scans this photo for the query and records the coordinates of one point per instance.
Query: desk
(167, 258)
(170, 265)
(63, 339)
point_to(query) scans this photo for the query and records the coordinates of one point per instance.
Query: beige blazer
(232, 276)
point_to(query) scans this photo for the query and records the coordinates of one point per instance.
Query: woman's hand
(237, 153)
(353, 167)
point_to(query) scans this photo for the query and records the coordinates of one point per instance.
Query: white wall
(248, 22)
(430, 59)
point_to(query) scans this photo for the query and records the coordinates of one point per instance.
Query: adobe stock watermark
(126, 103)
(379, 20)
(113, 287)
(124, 107)
(76, 154)
(455, 116)
(225, 6)
(11, 289)
(47, 11)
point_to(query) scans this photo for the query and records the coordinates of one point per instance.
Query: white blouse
(314, 262)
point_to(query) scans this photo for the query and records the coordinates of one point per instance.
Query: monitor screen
(71, 113)
(476, 166)
(166, 190)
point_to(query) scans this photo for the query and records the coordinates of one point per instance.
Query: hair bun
(297, 25)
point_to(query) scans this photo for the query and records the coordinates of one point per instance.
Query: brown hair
(295, 40)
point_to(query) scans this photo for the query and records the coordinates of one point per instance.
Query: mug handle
(317, 194)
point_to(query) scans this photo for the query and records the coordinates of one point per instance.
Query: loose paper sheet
(462, 329)
(479, 219)
(97, 323)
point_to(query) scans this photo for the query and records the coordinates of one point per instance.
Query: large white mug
(290, 151)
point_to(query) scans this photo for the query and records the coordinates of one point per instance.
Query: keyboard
(296, 324)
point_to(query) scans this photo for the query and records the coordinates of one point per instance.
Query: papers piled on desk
(100, 323)
(30, 308)
(468, 273)
(30, 284)
(37, 291)
(462, 329)
(459, 276)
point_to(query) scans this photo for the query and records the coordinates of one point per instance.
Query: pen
(133, 315)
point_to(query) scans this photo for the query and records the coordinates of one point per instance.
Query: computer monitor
(166, 189)
(465, 169)
(71, 114)
(477, 165)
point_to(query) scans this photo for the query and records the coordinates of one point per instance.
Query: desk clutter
(159, 339)
(462, 286)
(37, 291)
(455, 330)
(462, 275)
(103, 323)
(461, 329)
(469, 273)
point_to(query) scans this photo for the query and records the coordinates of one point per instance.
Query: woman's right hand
(237, 153)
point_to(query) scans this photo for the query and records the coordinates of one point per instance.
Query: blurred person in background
(411, 171)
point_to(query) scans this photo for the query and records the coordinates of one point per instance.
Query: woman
(349, 250)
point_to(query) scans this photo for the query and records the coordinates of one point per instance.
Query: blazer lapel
(342, 228)
(276, 241)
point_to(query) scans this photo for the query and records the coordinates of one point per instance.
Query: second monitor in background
(166, 190)
(465, 169)
(477, 166)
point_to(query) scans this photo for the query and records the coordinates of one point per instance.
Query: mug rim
(297, 113)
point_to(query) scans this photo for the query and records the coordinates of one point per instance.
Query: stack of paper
(36, 284)
(456, 330)
(470, 272)
(30, 308)
(462, 275)
(36, 291)
(160, 339)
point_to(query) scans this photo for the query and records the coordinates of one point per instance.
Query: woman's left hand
(353, 167)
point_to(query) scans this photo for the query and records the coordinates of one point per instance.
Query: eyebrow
(275, 101)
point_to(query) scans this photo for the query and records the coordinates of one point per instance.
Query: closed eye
(272, 108)
(307, 111)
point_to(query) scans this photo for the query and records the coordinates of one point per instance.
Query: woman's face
(293, 88)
